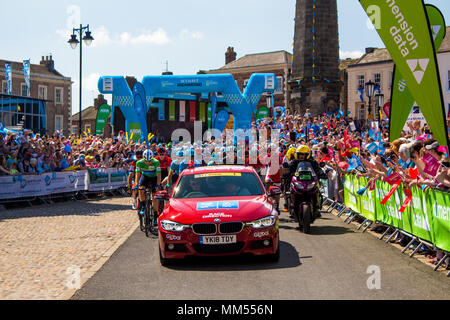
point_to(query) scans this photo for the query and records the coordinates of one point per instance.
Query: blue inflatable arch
(242, 105)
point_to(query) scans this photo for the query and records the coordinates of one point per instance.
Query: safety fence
(19, 188)
(422, 215)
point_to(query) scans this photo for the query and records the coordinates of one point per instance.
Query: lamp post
(380, 101)
(73, 43)
(370, 87)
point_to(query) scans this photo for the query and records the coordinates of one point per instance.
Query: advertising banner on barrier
(98, 180)
(9, 187)
(427, 216)
(117, 178)
(26, 186)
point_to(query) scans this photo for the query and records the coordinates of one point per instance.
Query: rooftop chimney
(48, 62)
(230, 55)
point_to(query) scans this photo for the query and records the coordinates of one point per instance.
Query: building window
(361, 82)
(279, 89)
(42, 92)
(59, 95)
(23, 90)
(362, 112)
(87, 128)
(377, 79)
(246, 82)
(74, 129)
(391, 79)
(59, 123)
(4, 86)
(448, 81)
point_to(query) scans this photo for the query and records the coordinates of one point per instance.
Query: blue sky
(136, 38)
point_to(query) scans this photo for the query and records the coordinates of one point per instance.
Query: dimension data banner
(404, 28)
(402, 99)
(427, 216)
(102, 116)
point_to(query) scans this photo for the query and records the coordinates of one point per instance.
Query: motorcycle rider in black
(303, 153)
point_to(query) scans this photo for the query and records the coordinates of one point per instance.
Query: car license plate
(218, 239)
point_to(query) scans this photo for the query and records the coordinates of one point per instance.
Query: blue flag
(140, 107)
(372, 148)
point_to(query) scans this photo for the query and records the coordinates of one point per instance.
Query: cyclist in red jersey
(164, 161)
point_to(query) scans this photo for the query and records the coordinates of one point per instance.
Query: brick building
(278, 62)
(47, 85)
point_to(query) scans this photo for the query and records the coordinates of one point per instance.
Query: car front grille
(218, 248)
(231, 227)
(204, 228)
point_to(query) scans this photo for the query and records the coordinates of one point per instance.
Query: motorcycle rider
(303, 154)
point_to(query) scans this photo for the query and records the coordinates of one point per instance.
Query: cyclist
(174, 171)
(273, 175)
(164, 162)
(132, 177)
(148, 175)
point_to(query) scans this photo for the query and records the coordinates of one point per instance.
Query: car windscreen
(218, 184)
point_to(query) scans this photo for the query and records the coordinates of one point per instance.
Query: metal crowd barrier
(342, 209)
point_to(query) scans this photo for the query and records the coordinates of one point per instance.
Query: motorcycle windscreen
(305, 172)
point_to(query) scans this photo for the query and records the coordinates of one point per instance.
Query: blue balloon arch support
(242, 105)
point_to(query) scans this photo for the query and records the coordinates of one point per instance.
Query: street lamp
(380, 101)
(370, 88)
(73, 43)
(269, 103)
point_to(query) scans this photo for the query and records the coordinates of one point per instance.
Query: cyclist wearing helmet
(164, 162)
(174, 170)
(148, 175)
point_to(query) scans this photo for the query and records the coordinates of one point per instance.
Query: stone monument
(315, 82)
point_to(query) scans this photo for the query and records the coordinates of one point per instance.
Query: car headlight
(173, 226)
(262, 223)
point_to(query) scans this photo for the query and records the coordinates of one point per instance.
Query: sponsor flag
(402, 99)
(403, 31)
(140, 108)
(102, 116)
(26, 74)
(8, 75)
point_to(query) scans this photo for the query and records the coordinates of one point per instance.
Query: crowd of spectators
(341, 144)
(26, 153)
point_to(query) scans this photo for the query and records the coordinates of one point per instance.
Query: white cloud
(187, 34)
(102, 37)
(350, 54)
(158, 37)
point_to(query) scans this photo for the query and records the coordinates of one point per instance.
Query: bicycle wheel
(148, 218)
(154, 219)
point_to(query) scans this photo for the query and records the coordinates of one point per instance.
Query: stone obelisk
(315, 82)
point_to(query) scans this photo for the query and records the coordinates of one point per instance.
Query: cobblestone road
(42, 247)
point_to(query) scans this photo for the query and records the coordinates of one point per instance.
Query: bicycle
(147, 221)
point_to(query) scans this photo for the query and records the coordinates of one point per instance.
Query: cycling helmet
(305, 150)
(148, 154)
(290, 154)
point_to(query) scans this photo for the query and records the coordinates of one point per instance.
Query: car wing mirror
(274, 191)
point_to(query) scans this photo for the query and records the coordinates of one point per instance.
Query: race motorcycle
(304, 193)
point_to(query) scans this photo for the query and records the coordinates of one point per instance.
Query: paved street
(331, 263)
(42, 247)
(39, 245)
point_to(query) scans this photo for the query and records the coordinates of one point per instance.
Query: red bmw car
(219, 211)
